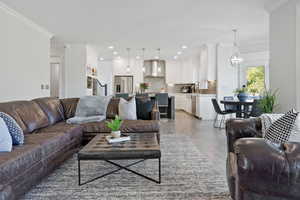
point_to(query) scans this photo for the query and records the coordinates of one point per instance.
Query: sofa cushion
(37, 148)
(27, 114)
(69, 106)
(113, 108)
(52, 108)
(128, 126)
(11, 108)
(69, 129)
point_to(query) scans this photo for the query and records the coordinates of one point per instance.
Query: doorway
(54, 79)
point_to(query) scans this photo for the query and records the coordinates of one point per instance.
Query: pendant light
(236, 58)
(158, 60)
(128, 65)
(144, 68)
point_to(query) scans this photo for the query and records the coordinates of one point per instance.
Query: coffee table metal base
(120, 167)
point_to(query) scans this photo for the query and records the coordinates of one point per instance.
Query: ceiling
(167, 24)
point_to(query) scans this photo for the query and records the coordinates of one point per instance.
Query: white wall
(105, 75)
(283, 55)
(226, 74)
(75, 67)
(57, 55)
(24, 55)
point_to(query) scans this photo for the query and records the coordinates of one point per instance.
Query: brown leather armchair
(257, 170)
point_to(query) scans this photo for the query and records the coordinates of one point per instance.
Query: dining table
(242, 106)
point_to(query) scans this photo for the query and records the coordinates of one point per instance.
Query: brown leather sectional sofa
(258, 170)
(49, 140)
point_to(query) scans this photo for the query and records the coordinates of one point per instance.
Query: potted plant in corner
(241, 93)
(115, 126)
(267, 103)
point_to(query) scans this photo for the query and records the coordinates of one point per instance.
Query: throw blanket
(82, 120)
(90, 109)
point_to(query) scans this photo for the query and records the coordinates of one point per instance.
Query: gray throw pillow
(92, 106)
(127, 109)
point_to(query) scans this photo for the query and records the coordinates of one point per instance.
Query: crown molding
(272, 5)
(25, 20)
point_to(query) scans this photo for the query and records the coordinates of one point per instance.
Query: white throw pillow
(127, 109)
(5, 137)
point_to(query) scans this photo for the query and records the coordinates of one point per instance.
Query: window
(255, 79)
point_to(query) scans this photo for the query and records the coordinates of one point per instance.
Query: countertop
(194, 94)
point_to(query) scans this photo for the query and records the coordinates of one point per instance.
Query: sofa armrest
(241, 128)
(263, 167)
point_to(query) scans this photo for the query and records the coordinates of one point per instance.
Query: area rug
(186, 174)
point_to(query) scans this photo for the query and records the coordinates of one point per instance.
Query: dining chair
(230, 107)
(162, 100)
(218, 111)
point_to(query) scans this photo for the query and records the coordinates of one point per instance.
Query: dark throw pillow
(280, 131)
(144, 106)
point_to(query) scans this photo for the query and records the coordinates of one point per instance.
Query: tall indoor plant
(268, 102)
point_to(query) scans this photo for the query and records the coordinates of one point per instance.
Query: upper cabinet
(207, 69)
(182, 70)
(173, 71)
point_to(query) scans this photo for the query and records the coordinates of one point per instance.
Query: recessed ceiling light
(156, 57)
(138, 57)
(115, 53)
(111, 47)
(184, 47)
(175, 57)
(179, 52)
(101, 59)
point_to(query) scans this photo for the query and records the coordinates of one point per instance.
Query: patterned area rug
(186, 174)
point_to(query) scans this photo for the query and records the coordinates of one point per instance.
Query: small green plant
(268, 102)
(115, 124)
(144, 86)
(241, 90)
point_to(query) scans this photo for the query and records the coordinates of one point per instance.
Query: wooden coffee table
(141, 147)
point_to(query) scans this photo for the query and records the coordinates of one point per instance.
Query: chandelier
(236, 58)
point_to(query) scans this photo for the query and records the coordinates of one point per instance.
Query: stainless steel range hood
(155, 68)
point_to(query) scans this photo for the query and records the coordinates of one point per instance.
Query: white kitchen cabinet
(173, 72)
(182, 70)
(183, 102)
(204, 108)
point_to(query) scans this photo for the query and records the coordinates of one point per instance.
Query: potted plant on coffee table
(115, 126)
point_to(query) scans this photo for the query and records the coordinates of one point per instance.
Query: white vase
(116, 134)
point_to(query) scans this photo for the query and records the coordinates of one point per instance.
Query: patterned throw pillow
(14, 129)
(280, 131)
